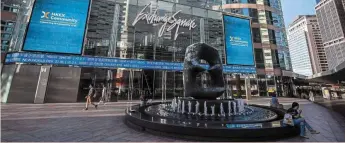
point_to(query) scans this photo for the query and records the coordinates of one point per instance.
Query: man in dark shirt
(298, 120)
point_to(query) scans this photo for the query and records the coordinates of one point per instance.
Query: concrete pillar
(42, 85)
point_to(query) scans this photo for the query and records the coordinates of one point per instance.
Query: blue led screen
(238, 41)
(57, 26)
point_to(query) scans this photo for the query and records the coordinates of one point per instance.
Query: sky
(293, 8)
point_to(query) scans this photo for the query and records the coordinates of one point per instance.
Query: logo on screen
(56, 18)
(45, 14)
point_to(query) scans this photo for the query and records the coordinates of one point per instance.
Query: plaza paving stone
(68, 122)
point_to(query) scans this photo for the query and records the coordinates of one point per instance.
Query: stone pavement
(68, 122)
(337, 105)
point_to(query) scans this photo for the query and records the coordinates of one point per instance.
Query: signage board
(168, 22)
(57, 26)
(103, 62)
(238, 40)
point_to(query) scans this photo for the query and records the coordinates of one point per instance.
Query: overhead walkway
(332, 76)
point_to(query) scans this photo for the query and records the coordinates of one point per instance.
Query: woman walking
(89, 98)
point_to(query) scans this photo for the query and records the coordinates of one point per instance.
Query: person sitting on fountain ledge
(299, 120)
(274, 101)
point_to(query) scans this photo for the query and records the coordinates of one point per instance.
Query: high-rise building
(317, 1)
(331, 18)
(306, 48)
(270, 41)
(9, 9)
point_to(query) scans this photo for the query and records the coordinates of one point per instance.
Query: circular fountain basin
(263, 124)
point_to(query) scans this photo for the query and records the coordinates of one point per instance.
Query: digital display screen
(57, 26)
(238, 41)
(102, 62)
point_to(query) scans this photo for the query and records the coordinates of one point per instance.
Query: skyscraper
(317, 1)
(269, 35)
(305, 44)
(331, 18)
(9, 11)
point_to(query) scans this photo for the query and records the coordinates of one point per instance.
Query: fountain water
(222, 110)
(189, 107)
(197, 107)
(173, 105)
(179, 106)
(182, 107)
(205, 108)
(241, 106)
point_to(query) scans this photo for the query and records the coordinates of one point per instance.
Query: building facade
(306, 48)
(9, 12)
(331, 18)
(115, 31)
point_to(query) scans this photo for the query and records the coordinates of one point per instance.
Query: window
(256, 35)
(8, 29)
(6, 8)
(15, 10)
(252, 1)
(10, 23)
(4, 42)
(272, 36)
(254, 14)
(5, 35)
(259, 58)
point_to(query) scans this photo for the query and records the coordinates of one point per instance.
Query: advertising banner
(238, 41)
(112, 63)
(57, 26)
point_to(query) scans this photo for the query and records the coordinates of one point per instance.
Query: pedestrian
(143, 99)
(89, 97)
(274, 101)
(298, 120)
(103, 98)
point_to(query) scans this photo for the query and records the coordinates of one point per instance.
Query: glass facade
(113, 32)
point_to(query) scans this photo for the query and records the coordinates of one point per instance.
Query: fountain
(189, 107)
(182, 107)
(229, 108)
(222, 113)
(243, 122)
(197, 108)
(205, 109)
(179, 106)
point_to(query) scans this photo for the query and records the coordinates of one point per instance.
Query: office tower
(331, 18)
(305, 45)
(269, 36)
(9, 10)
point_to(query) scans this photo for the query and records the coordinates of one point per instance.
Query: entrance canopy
(332, 76)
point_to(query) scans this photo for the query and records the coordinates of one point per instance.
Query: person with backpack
(293, 117)
(89, 97)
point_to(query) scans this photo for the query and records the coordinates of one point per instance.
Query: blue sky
(293, 8)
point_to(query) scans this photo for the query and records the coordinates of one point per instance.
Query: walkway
(68, 122)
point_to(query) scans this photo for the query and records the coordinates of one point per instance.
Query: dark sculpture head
(192, 67)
